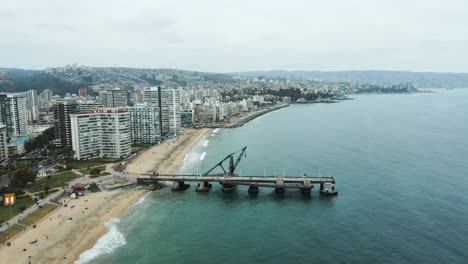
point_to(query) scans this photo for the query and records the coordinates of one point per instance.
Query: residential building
(170, 109)
(116, 134)
(32, 105)
(114, 98)
(16, 146)
(152, 98)
(89, 107)
(14, 114)
(62, 126)
(3, 143)
(105, 133)
(186, 118)
(144, 124)
(86, 135)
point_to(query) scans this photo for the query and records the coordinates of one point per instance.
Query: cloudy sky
(237, 35)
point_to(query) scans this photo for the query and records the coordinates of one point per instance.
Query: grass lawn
(36, 216)
(13, 230)
(84, 164)
(15, 209)
(88, 171)
(137, 147)
(28, 221)
(57, 180)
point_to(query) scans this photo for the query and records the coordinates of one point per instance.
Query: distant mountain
(418, 79)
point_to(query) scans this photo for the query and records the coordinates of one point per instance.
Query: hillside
(418, 79)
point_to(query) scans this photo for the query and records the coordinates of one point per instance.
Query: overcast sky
(237, 35)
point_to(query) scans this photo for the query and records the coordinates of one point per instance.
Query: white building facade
(144, 124)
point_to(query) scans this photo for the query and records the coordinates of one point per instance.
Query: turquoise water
(400, 163)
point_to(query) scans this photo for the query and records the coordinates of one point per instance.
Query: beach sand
(59, 241)
(168, 156)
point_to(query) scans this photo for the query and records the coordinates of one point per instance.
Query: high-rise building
(86, 135)
(62, 127)
(105, 133)
(45, 98)
(89, 107)
(32, 105)
(14, 114)
(170, 104)
(83, 92)
(3, 143)
(144, 124)
(168, 101)
(116, 134)
(114, 98)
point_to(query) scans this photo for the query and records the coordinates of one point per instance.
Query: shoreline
(59, 241)
(251, 116)
(62, 241)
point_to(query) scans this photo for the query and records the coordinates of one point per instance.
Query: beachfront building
(14, 113)
(116, 133)
(3, 144)
(144, 124)
(86, 135)
(168, 100)
(170, 104)
(62, 127)
(105, 133)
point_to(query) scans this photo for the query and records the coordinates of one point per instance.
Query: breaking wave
(106, 244)
(202, 156)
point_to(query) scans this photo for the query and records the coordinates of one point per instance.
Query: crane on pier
(232, 164)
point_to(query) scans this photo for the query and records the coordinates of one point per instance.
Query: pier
(229, 180)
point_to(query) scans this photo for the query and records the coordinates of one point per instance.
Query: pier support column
(179, 186)
(328, 188)
(228, 187)
(253, 189)
(204, 187)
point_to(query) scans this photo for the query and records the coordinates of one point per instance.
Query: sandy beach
(168, 156)
(59, 241)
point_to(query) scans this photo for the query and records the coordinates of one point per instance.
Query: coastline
(168, 156)
(59, 241)
(62, 241)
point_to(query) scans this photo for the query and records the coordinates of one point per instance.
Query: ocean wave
(206, 143)
(106, 244)
(215, 131)
(202, 156)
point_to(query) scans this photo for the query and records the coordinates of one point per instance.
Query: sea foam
(202, 156)
(106, 244)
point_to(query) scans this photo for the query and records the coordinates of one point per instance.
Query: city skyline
(237, 36)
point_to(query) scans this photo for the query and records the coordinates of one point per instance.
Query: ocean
(401, 168)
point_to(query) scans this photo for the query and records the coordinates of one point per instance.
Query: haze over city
(229, 36)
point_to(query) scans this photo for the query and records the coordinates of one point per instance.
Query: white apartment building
(116, 134)
(32, 105)
(171, 122)
(3, 143)
(168, 100)
(14, 113)
(86, 135)
(105, 133)
(144, 124)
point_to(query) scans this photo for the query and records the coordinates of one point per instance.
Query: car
(33, 241)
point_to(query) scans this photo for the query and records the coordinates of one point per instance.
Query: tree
(22, 176)
(95, 171)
